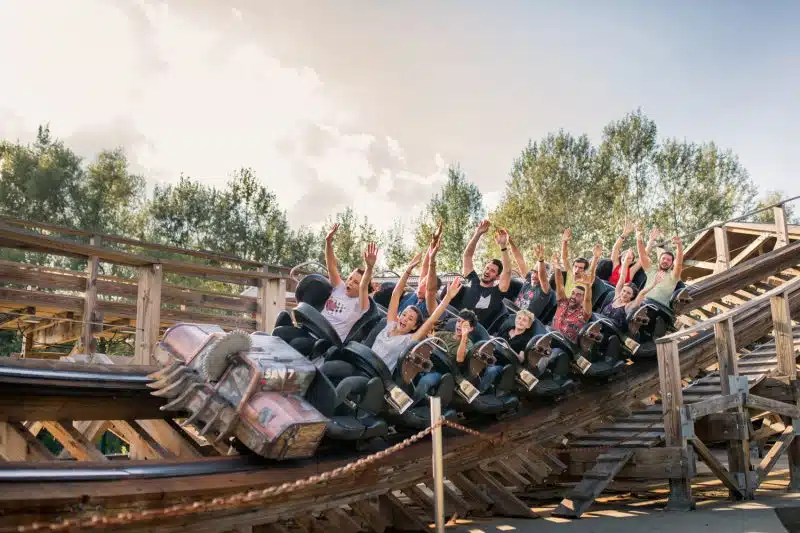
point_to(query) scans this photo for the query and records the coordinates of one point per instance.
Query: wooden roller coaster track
(485, 471)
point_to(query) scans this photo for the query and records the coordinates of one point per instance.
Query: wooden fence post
(271, 301)
(148, 313)
(90, 315)
(784, 348)
(781, 229)
(669, 373)
(738, 449)
(723, 254)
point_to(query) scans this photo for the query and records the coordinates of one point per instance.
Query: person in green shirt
(578, 271)
(458, 342)
(663, 277)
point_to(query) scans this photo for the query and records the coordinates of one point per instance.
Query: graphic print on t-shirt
(334, 307)
(484, 302)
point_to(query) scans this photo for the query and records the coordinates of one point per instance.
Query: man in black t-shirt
(485, 293)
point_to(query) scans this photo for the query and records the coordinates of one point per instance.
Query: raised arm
(623, 272)
(427, 326)
(469, 251)
(655, 233)
(638, 300)
(565, 237)
(678, 268)
(370, 256)
(518, 257)
(644, 257)
(505, 276)
(560, 294)
(330, 257)
(431, 289)
(397, 293)
(541, 268)
(425, 271)
(587, 295)
(627, 229)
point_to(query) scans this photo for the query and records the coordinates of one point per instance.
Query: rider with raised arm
(535, 292)
(485, 293)
(407, 328)
(350, 298)
(663, 277)
(579, 265)
(425, 295)
(626, 298)
(575, 309)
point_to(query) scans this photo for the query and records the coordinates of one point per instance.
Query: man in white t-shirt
(350, 298)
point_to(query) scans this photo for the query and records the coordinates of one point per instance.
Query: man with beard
(484, 294)
(578, 271)
(535, 292)
(663, 277)
(576, 308)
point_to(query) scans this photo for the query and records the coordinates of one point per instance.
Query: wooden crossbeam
(371, 514)
(769, 460)
(74, 441)
(19, 444)
(716, 404)
(749, 249)
(720, 471)
(767, 404)
(341, 521)
(398, 514)
(503, 500)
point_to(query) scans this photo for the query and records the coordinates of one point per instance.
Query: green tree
(700, 185)
(352, 237)
(629, 147)
(396, 252)
(40, 181)
(112, 198)
(768, 217)
(180, 214)
(555, 184)
(459, 205)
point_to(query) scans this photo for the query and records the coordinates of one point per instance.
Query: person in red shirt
(575, 309)
(616, 252)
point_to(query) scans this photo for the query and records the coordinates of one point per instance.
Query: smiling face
(490, 273)
(408, 320)
(626, 296)
(665, 261)
(522, 321)
(351, 283)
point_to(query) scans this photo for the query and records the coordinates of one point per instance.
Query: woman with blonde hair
(522, 332)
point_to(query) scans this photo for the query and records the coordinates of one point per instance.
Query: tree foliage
(459, 206)
(351, 239)
(563, 181)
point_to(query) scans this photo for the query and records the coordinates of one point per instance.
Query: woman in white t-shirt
(408, 328)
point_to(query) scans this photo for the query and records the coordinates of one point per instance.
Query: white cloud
(205, 100)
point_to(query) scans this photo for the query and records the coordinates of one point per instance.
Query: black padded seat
(314, 290)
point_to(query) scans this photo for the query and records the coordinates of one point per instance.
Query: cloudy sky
(365, 103)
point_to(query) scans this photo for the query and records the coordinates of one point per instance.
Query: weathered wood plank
(76, 444)
(716, 467)
(148, 314)
(716, 404)
(769, 460)
(765, 404)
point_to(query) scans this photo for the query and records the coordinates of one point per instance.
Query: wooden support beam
(143, 445)
(721, 245)
(794, 447)
(750, 248)
(716, 467)
(765, 404)
(19, 444)
(470, 490)
(769, 460)
(76, 444)
(784, 341)
(781, 229)
(271, 300)
(700, 264)
(716, 404)
(371, 514)
(738, 449)
(148, 314)
(90, 315)
(340, 521)
(669, 372)
(503, 501)
(309, 524)
(398, 515)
